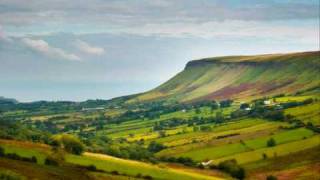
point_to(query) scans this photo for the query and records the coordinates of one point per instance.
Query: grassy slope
(130, 167)
(279, 150)
(250, 145)
(305, 165)
(240, 77)
(103, 162)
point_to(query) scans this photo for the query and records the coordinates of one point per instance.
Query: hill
(4, 100)
(240, 78)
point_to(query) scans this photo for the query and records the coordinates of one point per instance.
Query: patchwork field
(236, 117)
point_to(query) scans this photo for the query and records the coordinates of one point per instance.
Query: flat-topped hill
(240, 77)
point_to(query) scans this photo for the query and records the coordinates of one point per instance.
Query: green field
(279, 150)
(108, 163)
(248, 145)
(132, 167)
(216, 109)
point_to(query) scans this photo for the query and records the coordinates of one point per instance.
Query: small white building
(206, 163)
(267, 102)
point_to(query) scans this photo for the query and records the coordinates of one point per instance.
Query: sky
(100, 49)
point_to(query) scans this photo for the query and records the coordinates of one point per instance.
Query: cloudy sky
(81, 49)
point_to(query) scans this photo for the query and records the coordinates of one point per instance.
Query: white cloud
(89, 49)
(43, 47)
(231, 29)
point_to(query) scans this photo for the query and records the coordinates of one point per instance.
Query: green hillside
(275, 116)
(240, 78)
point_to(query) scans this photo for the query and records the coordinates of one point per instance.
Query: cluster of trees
(259, 109)
(15, 156)
(231, 167)
(121, 148)
(169, 123)
(271, 142)
(182, 160)
(174, 122)
(16, 130)
(218, 118)
(312, 127)
(47, 126)
(155, 147)
(154, 110)
(50, 107)
(226, 103)
(68, 143)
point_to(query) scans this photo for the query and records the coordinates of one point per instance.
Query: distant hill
(4, 100)
(240, 78)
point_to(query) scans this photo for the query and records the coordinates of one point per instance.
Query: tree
(205, 128)
(271, 177)
(69, 143)
(155, 147)
(225, 103)
(51, 161)
(196, 128)
(271, 142)
(72, 144)
(219, 117)
(162, 133)
(232, 167)
(264, 156)
(244, 106)
(1, 151)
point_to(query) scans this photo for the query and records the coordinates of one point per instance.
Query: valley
(235, 117)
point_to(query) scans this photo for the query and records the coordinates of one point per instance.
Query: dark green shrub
(147, 177)
(271, 142)
(51, 161)
(34, 159)
(185, 161)
(115, 172)
(264, 156)
(271, 177)
(155, 147)
(72, 144)
(13, 156)
(1, 151)
(92, 168)
(231, 167)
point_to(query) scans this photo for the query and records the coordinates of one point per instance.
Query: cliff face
(240, 77)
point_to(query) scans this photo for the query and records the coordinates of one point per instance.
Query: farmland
(197, 125)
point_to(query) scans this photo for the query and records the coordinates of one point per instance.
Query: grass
(103, 162)
(307, 113)
(6, 174)
(291, 98)
(249, 145)
(301, 158)
(132, 168)
(141, 129)
(25, 152)
(279, 150)
(184, 142)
